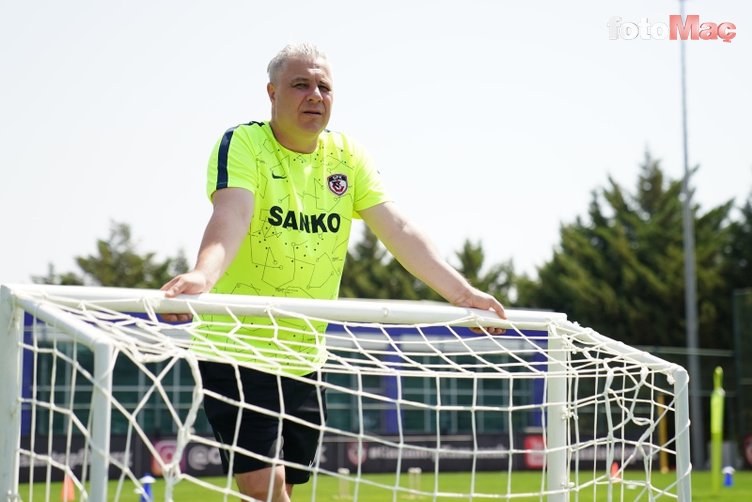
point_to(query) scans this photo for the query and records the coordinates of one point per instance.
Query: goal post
(11, 331)
(410, 390)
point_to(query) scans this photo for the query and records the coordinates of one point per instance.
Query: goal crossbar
(345, 310)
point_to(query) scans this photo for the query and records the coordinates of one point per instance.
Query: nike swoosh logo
(276, 177)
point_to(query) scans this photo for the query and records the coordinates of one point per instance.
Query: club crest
(337, 184)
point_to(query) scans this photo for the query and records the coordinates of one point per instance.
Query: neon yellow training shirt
(297, 242)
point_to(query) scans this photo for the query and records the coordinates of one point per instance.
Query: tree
(622, 270)
(738, 251)
(737, 274)
(118, 263)
(363, 274)
(371, 272)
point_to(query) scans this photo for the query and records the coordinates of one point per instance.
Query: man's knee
(265, 484)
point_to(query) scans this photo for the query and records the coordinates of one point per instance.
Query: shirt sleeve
(232, 163)
(369, 188)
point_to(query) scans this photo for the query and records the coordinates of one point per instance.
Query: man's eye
(300, 85)
(324, 88)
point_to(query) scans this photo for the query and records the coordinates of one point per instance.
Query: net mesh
(427, 411)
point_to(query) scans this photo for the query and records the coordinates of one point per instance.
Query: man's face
(301, 99)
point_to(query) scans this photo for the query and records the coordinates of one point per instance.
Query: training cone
(146, 482)
(615, 474)
(69, 490)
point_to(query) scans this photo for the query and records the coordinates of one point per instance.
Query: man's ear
(270, 89)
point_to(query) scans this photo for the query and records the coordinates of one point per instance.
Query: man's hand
(474, 298)
(190, 283)
(228, 225)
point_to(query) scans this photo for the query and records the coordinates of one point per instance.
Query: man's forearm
(416, 252)
(421, 258)
(228, 226)
(222, 238)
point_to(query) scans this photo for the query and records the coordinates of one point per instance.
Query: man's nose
(315, 94)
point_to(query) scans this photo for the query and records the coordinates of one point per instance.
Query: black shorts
(258, 432)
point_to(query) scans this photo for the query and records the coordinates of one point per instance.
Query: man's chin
(314, 126)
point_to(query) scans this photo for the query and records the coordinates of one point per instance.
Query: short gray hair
(291, 51)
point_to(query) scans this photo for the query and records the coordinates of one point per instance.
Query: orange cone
(615, 474)
(69, 489)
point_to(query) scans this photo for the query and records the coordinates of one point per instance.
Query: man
(284, 195)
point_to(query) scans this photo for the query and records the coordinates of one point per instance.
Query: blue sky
(489, 120)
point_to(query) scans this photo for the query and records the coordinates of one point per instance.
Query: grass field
(492, 485)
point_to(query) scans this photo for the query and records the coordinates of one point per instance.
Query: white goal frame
(15, 300)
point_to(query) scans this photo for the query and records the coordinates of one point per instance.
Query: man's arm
(228, 225)
(419, 256)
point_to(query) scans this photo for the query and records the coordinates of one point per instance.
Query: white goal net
(102, 400)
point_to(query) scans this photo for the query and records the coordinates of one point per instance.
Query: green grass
(336, 490)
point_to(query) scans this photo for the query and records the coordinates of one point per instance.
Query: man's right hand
(190, 283)
(227, 227)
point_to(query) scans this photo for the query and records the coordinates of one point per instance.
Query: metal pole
(556, 420)
(11, 333)
(101, 411)
(681, 423)
(716, 430)
(742, 383)
(690, 283)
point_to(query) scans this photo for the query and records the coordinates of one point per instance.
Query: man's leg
(258, 432)
(306, 401)
(256, 484)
